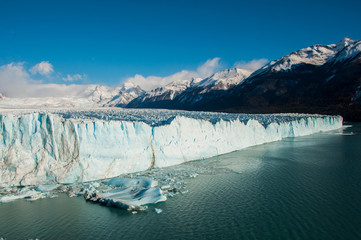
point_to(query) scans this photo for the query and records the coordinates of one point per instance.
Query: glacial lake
(298, 188)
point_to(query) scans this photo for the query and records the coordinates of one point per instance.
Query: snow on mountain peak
(225, 79)
(100, 94)
(316, 55)
(128, 85)
(108, 96)
(347, 48)
(344, 43)
(124, 94)
(171, 90)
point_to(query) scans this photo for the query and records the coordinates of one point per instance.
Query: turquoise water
(299, 188)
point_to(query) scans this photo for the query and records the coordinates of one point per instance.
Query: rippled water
(299, 188)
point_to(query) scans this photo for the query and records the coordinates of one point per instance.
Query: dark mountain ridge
(323, 79)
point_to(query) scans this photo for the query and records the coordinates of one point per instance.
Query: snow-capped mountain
(171, 90)
(91, 96)
(109, 97)
(163, 97)
(317, 79)
(100, 94)
(125, 95)
(315, 55)
(224, 80)
(165, 94)
(220, 81)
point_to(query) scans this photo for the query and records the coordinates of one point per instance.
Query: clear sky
(109, 41)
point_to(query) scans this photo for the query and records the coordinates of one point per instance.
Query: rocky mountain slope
(318, 79)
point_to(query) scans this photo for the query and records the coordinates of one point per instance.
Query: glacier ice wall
(57, 147)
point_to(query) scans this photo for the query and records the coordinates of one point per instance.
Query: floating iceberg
(129, 193)
(69, 146)
(130, 198)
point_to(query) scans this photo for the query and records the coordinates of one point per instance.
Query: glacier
(52, 146)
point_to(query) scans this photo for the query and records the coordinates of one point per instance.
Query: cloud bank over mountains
(152, 82)
(17, 81)
(208, 68)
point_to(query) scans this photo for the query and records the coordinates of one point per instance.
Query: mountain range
(323, 79)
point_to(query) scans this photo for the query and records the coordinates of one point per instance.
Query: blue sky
(107, 42)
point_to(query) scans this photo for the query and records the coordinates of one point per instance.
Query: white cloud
(12, 78)
(209, 67)
(15, 81)
(151, 82)
(43, 68)
(74, 77)
(253, 65)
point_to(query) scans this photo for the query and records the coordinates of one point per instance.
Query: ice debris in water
(137, 190)
(158, 210)
(129, 191)
(133, 191)
(29, 193)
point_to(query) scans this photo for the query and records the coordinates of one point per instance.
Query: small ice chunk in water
(158, 210)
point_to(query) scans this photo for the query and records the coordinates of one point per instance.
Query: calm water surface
(299, 188)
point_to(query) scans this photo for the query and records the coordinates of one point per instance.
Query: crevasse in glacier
(62, 146)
